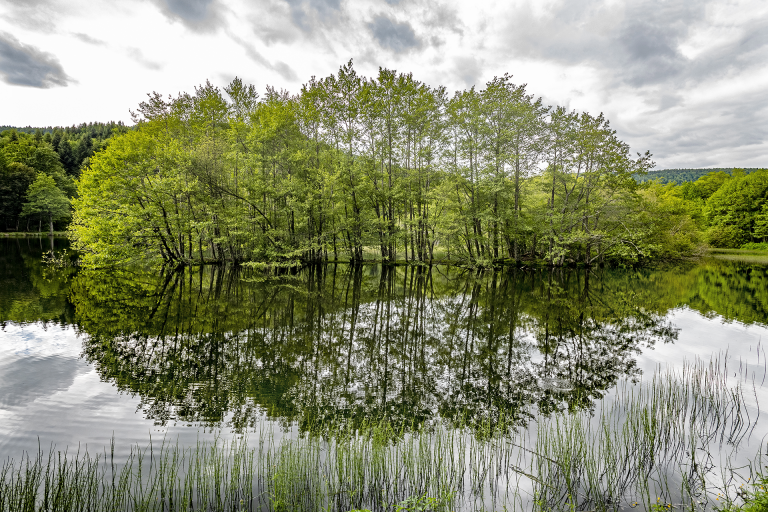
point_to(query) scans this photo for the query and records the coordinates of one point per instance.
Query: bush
(756, 246)
(725, 237)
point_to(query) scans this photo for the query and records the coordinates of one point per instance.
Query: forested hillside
(683, 175)
(52, 158)
(730, 209)
(386, 167)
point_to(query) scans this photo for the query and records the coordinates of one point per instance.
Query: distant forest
(94, 130)
(51, 159)
(684, 175)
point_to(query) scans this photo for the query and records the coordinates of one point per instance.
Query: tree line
(680, 176)
(353, 167)
(38, 169)
(728, 209)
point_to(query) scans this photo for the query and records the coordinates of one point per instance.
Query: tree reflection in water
(346, 344)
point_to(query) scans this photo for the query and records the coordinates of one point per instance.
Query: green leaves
(45, 199)
(356, 167)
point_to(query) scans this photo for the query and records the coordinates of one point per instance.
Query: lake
(87, 357)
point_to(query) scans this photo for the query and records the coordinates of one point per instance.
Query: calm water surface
(86, 356)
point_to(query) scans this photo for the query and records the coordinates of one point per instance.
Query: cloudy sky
(687, 80)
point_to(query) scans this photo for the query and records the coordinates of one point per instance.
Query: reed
(650, 444)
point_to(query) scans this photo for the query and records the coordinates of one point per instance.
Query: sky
(687, 80)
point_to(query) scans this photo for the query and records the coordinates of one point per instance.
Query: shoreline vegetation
(648, 448)
(351, 163)
(352, 166)
(25, 234)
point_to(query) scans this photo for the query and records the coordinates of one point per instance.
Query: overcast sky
(687, 80)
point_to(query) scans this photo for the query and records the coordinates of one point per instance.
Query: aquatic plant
(650, 443)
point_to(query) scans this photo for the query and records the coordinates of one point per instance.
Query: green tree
(735, 207)
(15, 179)
(45, 199)
(354, 165)
(67, 157)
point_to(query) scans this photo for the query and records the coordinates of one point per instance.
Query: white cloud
(681, 78)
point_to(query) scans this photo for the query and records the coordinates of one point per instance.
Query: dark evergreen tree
(84, 150)
(56, 140)
(67, 157)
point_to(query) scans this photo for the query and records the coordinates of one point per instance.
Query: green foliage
(15, 178)
(671, 223)
(756, 246)
(682, 176)
(46, 200)
(737, 211)
(754, 497)
(727, 209)
(59, 153)
(354, 166)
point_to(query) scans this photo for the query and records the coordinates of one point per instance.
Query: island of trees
(353, 168)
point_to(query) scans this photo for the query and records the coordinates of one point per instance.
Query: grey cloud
(469, 69)
(309, 13)
(398, 37)
(287, 21)
(25, 65)
(139, 57)
(636, 42)
(197, 15)
(280, 67)
(285, 70)
(442, 17)
(274, 31)
(636, 49)
(37, 15)
(88, 39)
(702, 135)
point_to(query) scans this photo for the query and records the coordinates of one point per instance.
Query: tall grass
(650, 442)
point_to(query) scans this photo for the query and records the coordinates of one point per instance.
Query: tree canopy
(45, 199)
(57, 152)
(354, 167)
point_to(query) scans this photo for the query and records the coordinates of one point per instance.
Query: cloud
(289, 21)
(88, 39)
(280, 67)
(399, 37)
(734, 127)
(196, 15)
(36, 15)
(27, 66)
(638, 42)
(469, 69)
(442, 17)
(137, 55)
(668, 70)
(308, 14)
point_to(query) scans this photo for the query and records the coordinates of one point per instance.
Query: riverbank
(25, 234)
(745, 255)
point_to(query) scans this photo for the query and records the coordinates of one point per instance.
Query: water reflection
(348, 344)
(30, 291)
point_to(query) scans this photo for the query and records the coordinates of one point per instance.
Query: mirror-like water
(90, 355)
